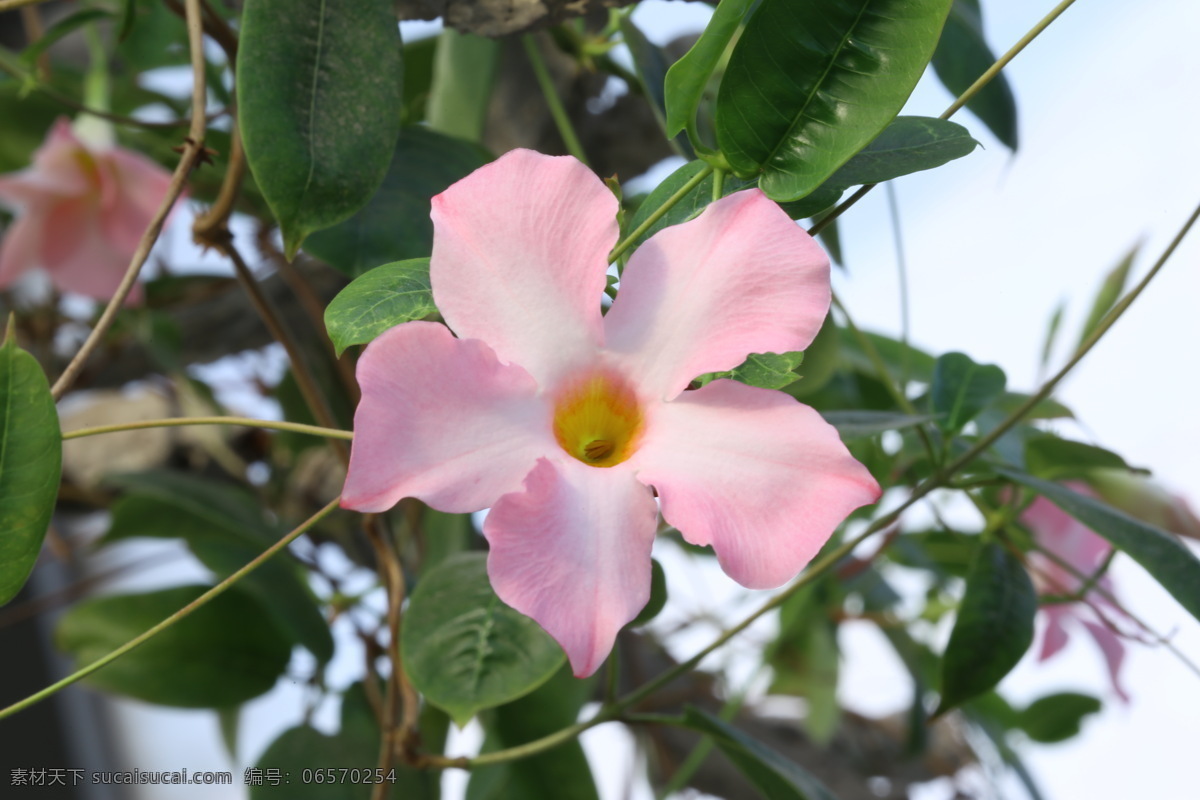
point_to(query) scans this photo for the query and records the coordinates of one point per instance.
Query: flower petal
(1054, 638)
(757, 475)
(132, 188)
(572, 551)
(76, 253)
(62, 166)
(441, 419)
(1114, 654)
(520, 251)
(699, 297)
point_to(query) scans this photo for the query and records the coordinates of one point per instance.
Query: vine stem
(171, 620)
(561, 120)
(960, 101)
(179, 422)
(821, 565)
(193, 151)
(667, 205)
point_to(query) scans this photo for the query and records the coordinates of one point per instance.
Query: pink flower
(1085, 551)
(562, 420)
(80, 213)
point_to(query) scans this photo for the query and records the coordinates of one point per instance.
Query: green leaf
(765, 370)
(907, 145)
(962, 56)
(464, 649)
(994, 627)
(1052, 329)
(810, 84)
(941, 550)
(1047, 456)
(380, 299)
(30, 463)
(900, 358)
(464, 69)
(1056, 717)
(220, 655)
(861, 424)
(1109, 293)
(775, 776)
(562, 772)
(961, 389)
(26, 121)
(315, 766)
(225, 529)
(687, 78)
(154, 38)
(658, 595)
(394, 225)
(319, 86)
(1168, 562)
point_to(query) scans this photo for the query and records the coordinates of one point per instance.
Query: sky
(1108, 109)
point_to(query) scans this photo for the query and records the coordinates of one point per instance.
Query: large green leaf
(963, 55)
(810, 84)
(962, 388)
(395, 224)
(775, 776)
(687, 77)
(907, 145)
(225, 529)
(380, 299)
(319, 86)
(994, 627)
(561, 772)
(1168, 562)
(220, 655)
(305, 764)
(30, 463)
(464, 649)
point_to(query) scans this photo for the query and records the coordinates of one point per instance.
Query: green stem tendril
(561, 120)
(171, 620)
(248, 422)
(637, 233)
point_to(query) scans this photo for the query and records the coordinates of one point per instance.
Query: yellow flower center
(597, 420)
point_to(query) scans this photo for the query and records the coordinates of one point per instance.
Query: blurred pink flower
(80, 213)
(1085, 551)
(565, 422)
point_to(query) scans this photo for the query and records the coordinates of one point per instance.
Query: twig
(304, 377)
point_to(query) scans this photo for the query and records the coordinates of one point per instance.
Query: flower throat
(597, 420)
